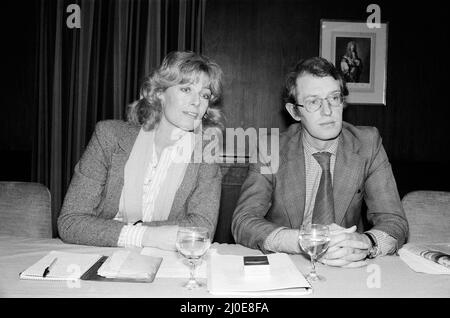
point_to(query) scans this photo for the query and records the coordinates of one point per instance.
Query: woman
(136, 182)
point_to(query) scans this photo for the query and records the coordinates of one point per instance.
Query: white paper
(226, 276)
(173, 264)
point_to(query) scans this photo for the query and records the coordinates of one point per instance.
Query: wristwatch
(373, 250)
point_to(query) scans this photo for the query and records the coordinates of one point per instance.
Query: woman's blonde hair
(178, 67)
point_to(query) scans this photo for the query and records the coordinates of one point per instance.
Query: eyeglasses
(315, 103)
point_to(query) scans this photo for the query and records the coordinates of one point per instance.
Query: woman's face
(184, 105)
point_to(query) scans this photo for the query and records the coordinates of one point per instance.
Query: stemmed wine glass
(314, 240)
(192, 243)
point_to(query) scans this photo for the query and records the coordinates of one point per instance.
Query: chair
(428, 214)
(234, 175)
(25, 209)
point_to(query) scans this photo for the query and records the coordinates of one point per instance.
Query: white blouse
(155, 175)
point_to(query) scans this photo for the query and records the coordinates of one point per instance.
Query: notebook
(125, 265)
(226, 276)
(66, 266)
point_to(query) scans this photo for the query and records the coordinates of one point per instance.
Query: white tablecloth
(384, 277)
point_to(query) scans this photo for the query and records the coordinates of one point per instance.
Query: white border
(375, 93)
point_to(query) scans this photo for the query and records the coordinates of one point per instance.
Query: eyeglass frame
(341, 96)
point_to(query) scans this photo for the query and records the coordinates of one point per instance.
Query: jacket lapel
(294, 181)
(189, 180)
(185, 189)
(347, 170)
(120, 158)
(118, 161)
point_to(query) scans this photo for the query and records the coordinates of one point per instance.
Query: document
(427, 258)
(226, 276)
(59, 265)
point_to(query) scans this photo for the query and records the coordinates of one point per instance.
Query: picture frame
(360, 53)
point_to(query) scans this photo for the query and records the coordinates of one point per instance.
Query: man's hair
(177, 68)
(316, 66)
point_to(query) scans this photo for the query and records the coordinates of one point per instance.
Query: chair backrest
(25, 209)
(428, 214)
(234, 175)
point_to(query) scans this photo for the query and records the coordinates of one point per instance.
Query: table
(386, 276)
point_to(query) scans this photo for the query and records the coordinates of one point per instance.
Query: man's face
(325, 123)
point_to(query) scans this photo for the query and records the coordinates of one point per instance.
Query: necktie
(323, 212)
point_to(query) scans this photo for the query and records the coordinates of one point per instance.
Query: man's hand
(347, 248)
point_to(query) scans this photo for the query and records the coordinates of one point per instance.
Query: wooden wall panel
(257, 41)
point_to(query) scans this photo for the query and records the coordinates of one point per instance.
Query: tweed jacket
(362, 172)
(92, 200)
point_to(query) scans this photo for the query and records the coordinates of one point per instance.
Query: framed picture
(360, 53)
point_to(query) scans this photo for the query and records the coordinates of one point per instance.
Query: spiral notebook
(66, 266)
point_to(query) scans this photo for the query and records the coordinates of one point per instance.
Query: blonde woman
(136, 181)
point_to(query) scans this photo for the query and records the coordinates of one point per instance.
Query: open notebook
(226, 276)
(122, 266)
(66, 266)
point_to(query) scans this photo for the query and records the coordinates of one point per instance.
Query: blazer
(92, 200)
(362, 172)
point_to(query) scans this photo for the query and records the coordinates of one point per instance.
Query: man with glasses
(327, 167)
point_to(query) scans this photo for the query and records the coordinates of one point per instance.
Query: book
(64, 266)
(226, 276)
(121, 266)
(126, 265)
(427, 258)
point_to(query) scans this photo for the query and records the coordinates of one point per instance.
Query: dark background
(256, 42)
(18, 102)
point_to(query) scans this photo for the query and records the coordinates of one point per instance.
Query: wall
(257, 41)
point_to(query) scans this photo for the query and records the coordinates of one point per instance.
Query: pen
(49, 267)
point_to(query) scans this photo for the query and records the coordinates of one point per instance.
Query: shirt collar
(182, 148)
(310, 149)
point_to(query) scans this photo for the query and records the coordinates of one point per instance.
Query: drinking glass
(192, 243)
(314, 240)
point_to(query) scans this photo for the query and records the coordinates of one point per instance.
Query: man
(326, 168)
